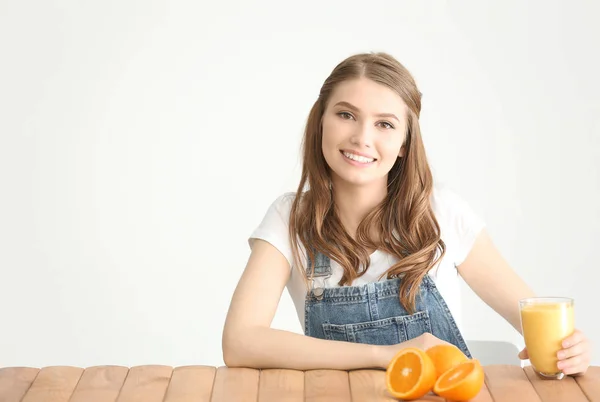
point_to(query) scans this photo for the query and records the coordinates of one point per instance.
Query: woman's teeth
(358, 158)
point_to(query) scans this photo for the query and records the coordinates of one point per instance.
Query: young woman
(368, 248)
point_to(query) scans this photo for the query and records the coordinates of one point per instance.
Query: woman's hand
(575, 357)
(424, 342)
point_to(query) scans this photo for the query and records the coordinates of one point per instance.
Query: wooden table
(210, 384)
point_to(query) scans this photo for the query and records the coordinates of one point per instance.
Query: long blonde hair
(404, 220)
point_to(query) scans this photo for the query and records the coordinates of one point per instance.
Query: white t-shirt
(459, 227)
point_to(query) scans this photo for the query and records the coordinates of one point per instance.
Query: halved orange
(410, 374)
(445, 357)
(462, 382)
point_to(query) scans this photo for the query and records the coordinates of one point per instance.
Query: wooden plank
(484, 394)
(191, 383)
(281, 386)
(509, 383)
(327, 386)
(430, 397)
(100, 384)
(54, 384)
(590, 383)
(194, 383)
(145, 384)
(555, 390)
(236, 384)
(369, 385)
(15, 381)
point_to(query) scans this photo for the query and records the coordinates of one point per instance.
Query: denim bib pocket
(386, 331)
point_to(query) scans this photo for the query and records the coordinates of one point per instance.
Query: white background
(141, 142)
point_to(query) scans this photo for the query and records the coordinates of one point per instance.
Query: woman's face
(364, 128)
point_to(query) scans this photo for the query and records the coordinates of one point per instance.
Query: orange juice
(546, 322)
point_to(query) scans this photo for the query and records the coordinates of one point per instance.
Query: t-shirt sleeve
(274, 227)
(461, 223)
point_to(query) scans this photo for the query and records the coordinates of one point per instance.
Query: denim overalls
(372, 313)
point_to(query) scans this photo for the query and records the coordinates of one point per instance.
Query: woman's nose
(362, 135)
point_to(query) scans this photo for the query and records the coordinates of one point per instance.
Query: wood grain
(54, 384)
(510, 383)
(281, 386)
(590, 383)
(191, 383)
(236, 384)
(15, 382)
(555, 390)
(145, 384)
(156, 383)
(100, 384)
(327, 386)
(369, 386)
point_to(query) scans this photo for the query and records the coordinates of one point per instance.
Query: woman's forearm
(272, 348)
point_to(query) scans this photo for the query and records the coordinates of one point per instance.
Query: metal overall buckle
(319, 291)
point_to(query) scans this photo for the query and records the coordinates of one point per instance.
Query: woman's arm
(493, 280)
(248, 340)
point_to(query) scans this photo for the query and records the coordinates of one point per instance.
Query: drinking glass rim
(547, 300)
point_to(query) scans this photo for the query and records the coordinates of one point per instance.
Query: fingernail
(560, 365)
(566, 344)
(561, 355)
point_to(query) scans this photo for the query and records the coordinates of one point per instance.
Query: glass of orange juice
(546, 322)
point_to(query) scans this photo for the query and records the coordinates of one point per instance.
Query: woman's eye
(348, 116)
